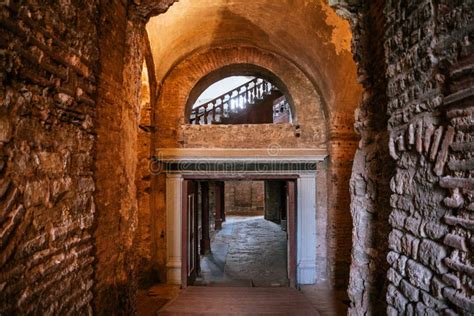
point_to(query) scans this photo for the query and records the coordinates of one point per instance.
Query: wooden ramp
(199, 300)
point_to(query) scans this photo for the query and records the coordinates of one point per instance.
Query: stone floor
(247, 251)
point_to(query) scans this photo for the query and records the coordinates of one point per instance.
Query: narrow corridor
(247, 251)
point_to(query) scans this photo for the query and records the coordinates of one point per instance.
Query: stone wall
(144, 234)
(372, 166)
(244, 197)
(48, 83)
(427, 58)
(428, 54)
(69, 95)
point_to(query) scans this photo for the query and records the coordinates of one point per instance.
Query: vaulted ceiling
(306, 32)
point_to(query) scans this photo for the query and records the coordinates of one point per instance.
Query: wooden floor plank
(239, 301)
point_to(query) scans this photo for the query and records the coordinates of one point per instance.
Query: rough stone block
(459, 266)
(463, 222)
(451, 280)
(419, 275)
(5, 130)
(52, 163)
(410, 291)
(396, 299)
(427, 139)
(413, 225)
(392, 311)
(409, 244)
(395, 240)
(432, 302)
(459, 299)
(443, 152)
(432, 254)
(435, 231)
(437, 287)
(419, 136)
(435, 144)
(397, 219)
(394, 277)
(37, 193)
(401, 265)
(455, 241)
(392, 257)
(455, 200)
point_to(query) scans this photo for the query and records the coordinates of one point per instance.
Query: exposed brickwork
(60, 81)
(429, 111)
(171, 118)
(122, 48)
(244, 197)
(428, 57)
(179, 83)
(47, 111)
(72, 238)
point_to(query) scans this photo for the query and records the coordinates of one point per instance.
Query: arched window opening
(241, 100)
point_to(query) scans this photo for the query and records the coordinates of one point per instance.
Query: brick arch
(177, 87)
(237, 70)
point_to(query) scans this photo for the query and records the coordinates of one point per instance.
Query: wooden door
(190, 257)
(291, 222)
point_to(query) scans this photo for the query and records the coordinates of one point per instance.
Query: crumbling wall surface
(69, 96)
(372, 166)
(121, 39)
(146, 239)
(48, 66)
(428, 68)
(429, 55)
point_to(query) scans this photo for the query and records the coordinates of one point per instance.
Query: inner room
(242, 233)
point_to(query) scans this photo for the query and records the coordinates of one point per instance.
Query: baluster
(254, 93)
(205, 113)
(194, 120)
(214, 112)
(233, 103)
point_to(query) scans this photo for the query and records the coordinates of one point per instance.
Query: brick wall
(422, 79)
(48, 83)
(69, 87)
(428, 50)
(180, 81)
(244, 197)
